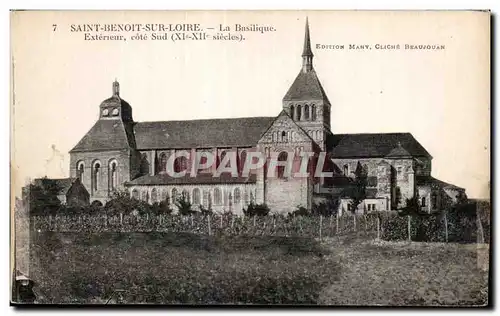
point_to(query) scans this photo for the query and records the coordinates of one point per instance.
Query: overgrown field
(177, 268)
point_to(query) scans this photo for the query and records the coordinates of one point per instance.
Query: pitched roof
(63, 185)
(307, 41)
(428, 180)
(374, 145)
(398, 152)
(201, 178)
(106, 135)
(306, 87)
(207, 133)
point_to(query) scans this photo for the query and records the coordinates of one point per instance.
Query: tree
(184, 206)
(42, 197)
(412, 207)
(357, 194)
(326, 208)
(256, 209)
(121, 202)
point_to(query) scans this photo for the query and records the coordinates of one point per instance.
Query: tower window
(423, 202)
(299, 112)
(313, 112)
(283, 136)
(306, 112)
(292, 113)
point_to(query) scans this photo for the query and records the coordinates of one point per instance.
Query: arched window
(313, 112)
(113, 175)
(346, 170)
(174, 195)
(206, 199)
(245, 196)
(237, 195)
(220, 157)
(80, 168)
(299, 112)
(154, 196)
(164, 195)
(227, 197)
(306, 112)
(144, 196)
(217, 196)
(196, 196)
(434, 202)
(96, 174)
(423, 202)
(135, 194)
(162, 165)
(292, 113)
(180, 164)
(185, 195)
(203, 159)
(243, 159)
(144, 167)
(283, 136)
(281, 169)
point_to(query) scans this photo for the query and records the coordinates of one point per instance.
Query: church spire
(307, 55)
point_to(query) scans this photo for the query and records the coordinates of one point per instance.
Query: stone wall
(123, 159)
(390, 174)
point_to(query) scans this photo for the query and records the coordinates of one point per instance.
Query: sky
(442, 97)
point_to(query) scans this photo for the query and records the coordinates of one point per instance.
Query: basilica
(118, 153)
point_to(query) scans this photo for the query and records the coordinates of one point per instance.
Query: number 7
(54, 26)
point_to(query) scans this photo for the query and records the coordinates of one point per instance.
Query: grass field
(185, 268)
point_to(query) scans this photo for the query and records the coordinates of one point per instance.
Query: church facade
(118, 153)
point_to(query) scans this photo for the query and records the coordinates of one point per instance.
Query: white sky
(441, 97)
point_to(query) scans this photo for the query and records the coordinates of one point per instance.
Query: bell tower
(306, 101)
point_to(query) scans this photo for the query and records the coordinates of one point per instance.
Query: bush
(256, 210)
(300, 211)
(185, 207)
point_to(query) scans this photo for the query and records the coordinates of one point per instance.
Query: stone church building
(118, 153)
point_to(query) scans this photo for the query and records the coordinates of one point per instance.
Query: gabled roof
(207, 133)
(201, 178)
(306, 87)
(283, 113)
(375, 145)
(63, 185)
(106, 135)
(428, 180)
